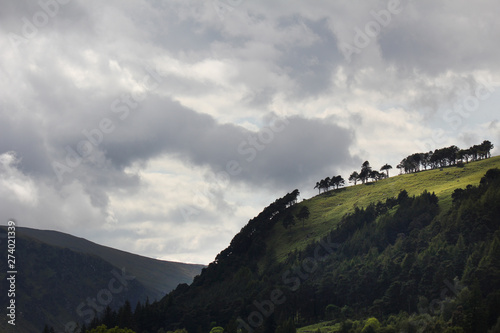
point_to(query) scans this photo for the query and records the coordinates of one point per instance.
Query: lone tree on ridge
(386, 167)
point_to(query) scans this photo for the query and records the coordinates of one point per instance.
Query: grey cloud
(427, 37)
(32, 19)
(310, 66)
(23, 137)
(304, 149)
(161, 126)
(301, 148)
(279, 55)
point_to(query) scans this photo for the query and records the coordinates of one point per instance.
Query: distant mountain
(63, 279)
(418, 252)
(158, 276)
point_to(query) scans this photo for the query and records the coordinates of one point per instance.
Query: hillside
(328, 208)
(64, 280)
(158, 276)
(415, 252)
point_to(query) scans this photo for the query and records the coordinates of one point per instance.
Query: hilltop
(327, 209)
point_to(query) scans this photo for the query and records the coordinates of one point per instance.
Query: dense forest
(396, 265)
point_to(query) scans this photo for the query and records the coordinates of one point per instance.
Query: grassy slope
(328, 208)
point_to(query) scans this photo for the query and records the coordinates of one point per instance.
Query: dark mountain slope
(64, 281)
(158, 276)
(62, 287)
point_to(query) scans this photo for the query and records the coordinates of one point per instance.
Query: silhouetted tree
(337, 181)
(375, 175)
(365, 171)
(318, 186)
(425, 159)
(487, 146)
(464, 154)
(328, 183)
(386, 167)
(354, 177)
(400, 166)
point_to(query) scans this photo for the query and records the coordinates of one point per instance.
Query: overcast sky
(162, 127)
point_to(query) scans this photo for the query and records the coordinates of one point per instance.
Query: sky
(162, 127)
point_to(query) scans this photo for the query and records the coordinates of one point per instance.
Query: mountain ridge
(120, 258)
(66, 281)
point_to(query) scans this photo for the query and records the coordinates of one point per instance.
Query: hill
(158, 276)
(64, 280)
(328, 208)
(415, 252)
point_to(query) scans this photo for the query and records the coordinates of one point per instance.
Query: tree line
(325, 184)
(438, 158)
(364, 175)
(444, 157)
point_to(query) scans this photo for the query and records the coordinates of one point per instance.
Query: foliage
(325, 184)
(372, 325)
(303, 214)
(445, 157)
(288, 326)
(289, 221)
(404, 262)
(104, 329)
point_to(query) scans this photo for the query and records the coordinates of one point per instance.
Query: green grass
(328, 208)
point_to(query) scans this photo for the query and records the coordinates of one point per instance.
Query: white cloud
(222, 74)
(14, 184)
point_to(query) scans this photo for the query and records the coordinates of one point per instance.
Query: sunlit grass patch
(327, 209)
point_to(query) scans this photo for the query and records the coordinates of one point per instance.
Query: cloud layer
(162, 128)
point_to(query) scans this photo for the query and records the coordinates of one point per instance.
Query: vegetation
(328, 182)
(445, 157)
(413, 163)
(422, 257)
(158, 276)
(56, 285)
(415, 253)
(104, 329)
(62, 274)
